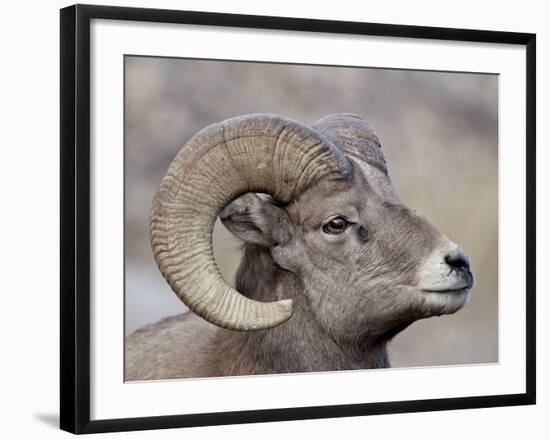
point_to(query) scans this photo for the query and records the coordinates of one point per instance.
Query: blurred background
(439, 132)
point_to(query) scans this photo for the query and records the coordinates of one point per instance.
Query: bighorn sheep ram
(334, 265)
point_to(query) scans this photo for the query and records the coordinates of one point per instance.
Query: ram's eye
(336, 226)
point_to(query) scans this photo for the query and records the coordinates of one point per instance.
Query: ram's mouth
(461, 285)
(457, 291)
(449, 291)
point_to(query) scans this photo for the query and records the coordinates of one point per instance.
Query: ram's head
(368, 263)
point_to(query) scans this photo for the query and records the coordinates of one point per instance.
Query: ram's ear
(255, 218)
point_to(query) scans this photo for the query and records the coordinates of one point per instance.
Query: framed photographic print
(275, 218)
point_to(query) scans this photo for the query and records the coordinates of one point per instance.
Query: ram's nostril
(458, 260)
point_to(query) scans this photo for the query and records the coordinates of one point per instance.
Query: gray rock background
(439, 131)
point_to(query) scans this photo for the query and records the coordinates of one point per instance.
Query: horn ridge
(253, 153)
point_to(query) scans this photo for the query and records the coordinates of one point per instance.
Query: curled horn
(254, 153)
(355, 137)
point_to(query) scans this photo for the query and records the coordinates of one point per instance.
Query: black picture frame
(75, 217)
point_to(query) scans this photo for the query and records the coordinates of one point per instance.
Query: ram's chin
(446, 302)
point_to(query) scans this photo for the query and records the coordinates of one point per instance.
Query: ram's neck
(298, 345)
